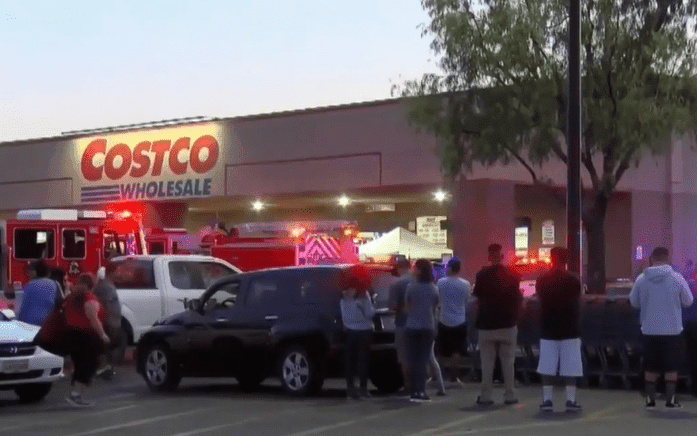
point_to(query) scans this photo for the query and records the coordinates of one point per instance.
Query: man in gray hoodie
(660, 293)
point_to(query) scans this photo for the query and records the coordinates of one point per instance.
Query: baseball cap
(453, 262)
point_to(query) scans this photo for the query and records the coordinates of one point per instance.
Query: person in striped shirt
(357, 313)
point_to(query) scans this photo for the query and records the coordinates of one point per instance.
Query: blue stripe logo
(98, 194)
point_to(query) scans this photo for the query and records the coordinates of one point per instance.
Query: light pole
(573, 140)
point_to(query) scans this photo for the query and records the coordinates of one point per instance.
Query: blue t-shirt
(38, 300)
(421, 299)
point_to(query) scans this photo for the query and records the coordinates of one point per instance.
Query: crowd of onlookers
(90, 312)
(431, 325)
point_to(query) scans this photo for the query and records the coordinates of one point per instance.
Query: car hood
(17, 331)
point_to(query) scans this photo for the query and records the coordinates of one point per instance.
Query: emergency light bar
(283, 226)
(92, 215)
(48, 215)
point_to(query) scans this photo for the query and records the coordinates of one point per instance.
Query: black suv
(282, 322)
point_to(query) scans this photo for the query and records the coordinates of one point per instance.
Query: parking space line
(118, 409)
(216, 427)
(451, 424)
(322, 429)
(116, 396)
(139, 422)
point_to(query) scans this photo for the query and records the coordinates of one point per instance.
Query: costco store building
(297, 165)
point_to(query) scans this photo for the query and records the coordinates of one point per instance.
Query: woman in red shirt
(84, 317)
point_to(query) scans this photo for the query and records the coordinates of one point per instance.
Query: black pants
(85, 350)
(690, 334)
(420, 343)
(357, 355)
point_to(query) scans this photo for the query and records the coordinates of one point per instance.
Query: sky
(73, 65)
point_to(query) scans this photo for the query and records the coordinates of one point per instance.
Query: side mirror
(194, 305)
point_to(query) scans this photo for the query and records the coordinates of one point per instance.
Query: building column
(483, 214)
(165, 215)
(651, 224)
(683, 204)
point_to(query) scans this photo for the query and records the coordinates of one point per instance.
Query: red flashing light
(297, 232)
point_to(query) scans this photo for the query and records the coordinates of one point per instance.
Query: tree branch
(587, 160)
(527, 166)
(556, 148)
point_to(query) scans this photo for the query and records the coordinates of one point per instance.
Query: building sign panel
(428, 227)
(183, 162)
(521, 241)
(548, 233)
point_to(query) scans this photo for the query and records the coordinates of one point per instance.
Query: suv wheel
(160, 371)
(299, 372)
(32, 393)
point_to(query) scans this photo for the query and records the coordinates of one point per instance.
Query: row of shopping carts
(611, 344)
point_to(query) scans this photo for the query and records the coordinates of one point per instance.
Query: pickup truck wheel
(161, 372)
(299, 372)
(32, 393)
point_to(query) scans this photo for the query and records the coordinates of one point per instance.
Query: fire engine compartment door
(31, 241)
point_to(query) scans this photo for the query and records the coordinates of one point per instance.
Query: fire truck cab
(254, 246)
(75, 241)
(172, 241)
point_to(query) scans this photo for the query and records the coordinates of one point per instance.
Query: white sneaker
(76, 400)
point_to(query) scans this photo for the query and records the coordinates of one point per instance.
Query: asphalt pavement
(216, 407)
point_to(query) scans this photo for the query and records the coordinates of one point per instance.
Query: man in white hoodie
(659, 292)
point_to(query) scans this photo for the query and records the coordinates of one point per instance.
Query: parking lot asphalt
(216, 407)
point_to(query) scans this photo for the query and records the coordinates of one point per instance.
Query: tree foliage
(502, 95)
(503, 92)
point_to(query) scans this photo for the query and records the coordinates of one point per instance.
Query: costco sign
(151, 165)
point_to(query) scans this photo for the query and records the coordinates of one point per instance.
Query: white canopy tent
(404, 242)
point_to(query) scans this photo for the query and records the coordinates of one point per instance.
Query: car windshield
(5, 315)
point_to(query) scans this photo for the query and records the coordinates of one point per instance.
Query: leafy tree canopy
(502, 94)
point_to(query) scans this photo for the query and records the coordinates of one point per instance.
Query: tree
(502, 94)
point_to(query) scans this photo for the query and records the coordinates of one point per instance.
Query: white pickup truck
(151, 287)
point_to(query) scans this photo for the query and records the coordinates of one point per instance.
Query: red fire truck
(254, 246)
(75, 241)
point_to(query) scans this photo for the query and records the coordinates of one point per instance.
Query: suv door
(212, 337)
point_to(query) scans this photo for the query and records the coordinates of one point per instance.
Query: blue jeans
(420, 345)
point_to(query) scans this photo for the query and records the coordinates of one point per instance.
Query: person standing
(454, 293)
(40, 295)
(559, 292)
(105, 291)
(87, 337)
(660, 293)
(499, 299)
(357, 313)
(421, 304)
(397, 301)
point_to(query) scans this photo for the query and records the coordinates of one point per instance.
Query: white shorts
(560, 357)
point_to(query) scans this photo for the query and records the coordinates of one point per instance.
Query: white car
(25, 368)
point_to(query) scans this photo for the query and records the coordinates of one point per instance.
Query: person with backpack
(86, 336)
